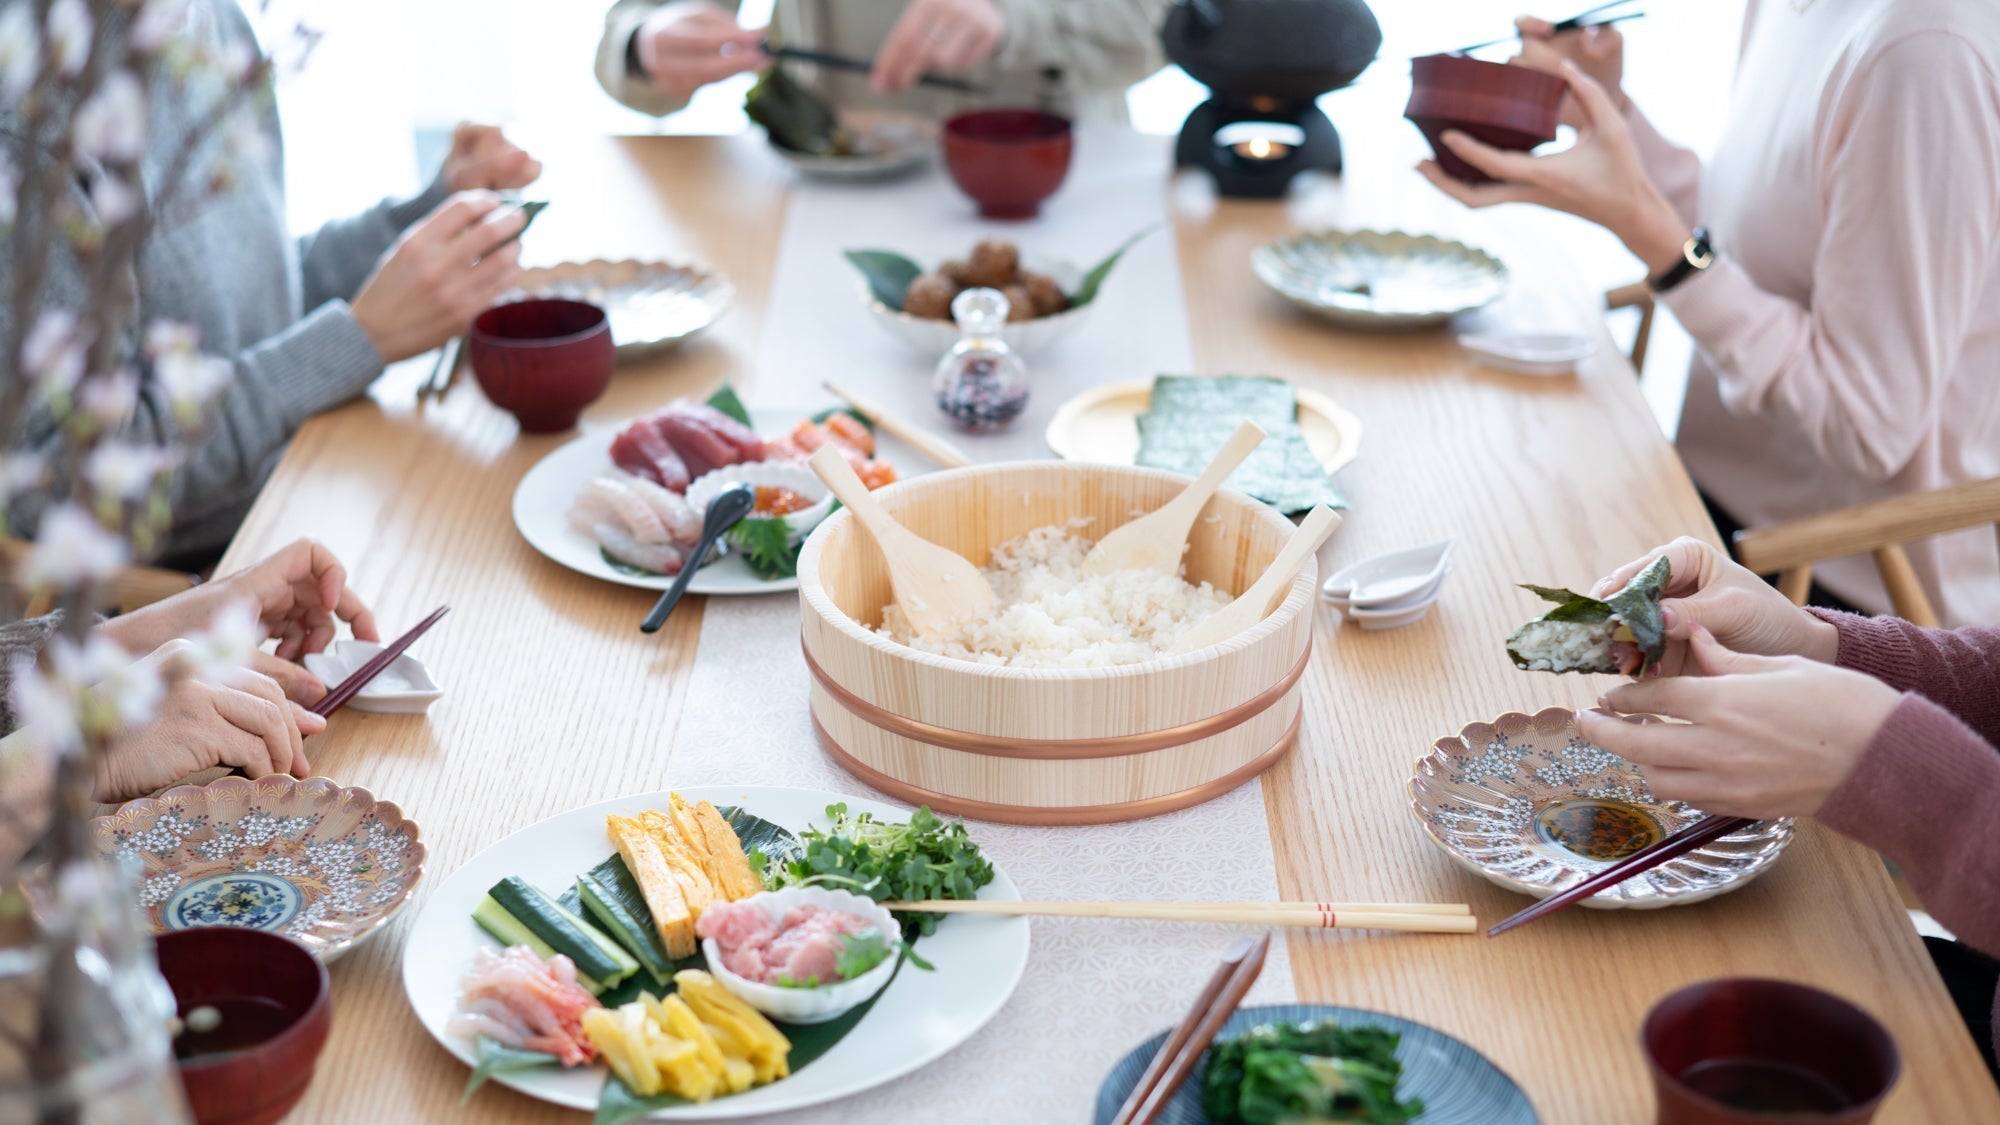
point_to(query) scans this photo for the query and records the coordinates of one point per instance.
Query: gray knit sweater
(275, 304)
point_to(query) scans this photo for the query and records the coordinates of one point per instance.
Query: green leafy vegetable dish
(1624, 633)
(927, 858)
(1189, 417)
(1304, 1074)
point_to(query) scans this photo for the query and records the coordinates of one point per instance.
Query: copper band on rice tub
(1057, 749)
(1059, 816)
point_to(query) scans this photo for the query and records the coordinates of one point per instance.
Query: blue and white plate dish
(324, 865)
(1458, 1085)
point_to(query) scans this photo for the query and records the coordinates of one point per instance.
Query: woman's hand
(300, 596)
(483, 159)
(1597, 51)
(1746, 614)
(1762, 736)
(936, 35)
(1599, 178)
(444, 271)
(685, 46)
(245, 722)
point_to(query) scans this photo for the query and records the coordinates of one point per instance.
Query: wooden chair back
(1635, 296)
(1789, 550)
(131, 588)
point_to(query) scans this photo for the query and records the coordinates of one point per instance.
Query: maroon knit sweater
(1927, 791)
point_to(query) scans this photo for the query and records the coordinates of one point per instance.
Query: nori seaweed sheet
(1190, 417)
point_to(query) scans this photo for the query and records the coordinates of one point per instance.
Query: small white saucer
(404, 687)
(1529, 353)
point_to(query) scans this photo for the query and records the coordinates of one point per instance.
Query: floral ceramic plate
(1526, 802)
(1380, 279)
(307, 859)
(651, 305)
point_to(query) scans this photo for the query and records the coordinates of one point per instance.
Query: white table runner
(1093, 989)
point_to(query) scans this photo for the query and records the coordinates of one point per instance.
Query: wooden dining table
(555, 699)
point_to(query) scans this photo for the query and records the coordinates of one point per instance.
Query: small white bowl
(1529, 353)
(405, 687)
(1026, 337)
(811, 1005)
(770, 474)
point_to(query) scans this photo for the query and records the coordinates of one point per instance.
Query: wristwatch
(1696, 255)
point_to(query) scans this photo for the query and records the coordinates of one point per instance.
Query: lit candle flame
(1260, 148)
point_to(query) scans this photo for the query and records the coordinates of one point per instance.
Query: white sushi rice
(1564, 646)
(1048, 614)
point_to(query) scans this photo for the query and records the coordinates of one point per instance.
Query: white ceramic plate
(1385, 280)
(896, 143)
(1529, 353)
(1027, 337)
(405, 687)
(919, 1017)
(541, 512)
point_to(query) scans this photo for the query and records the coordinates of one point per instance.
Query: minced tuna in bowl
(803, 954)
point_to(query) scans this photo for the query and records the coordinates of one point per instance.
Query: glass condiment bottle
(980, 384)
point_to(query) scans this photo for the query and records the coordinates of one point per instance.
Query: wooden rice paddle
(347, 689)
(1639, 862)
(940, 451)
(1183, 1048)
(1253, 604)
(1421, 918)
(933, 585)
(1156, 540)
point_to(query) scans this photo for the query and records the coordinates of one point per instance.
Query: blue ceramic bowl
(1457, 1084)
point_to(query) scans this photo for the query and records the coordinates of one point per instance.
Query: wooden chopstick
(940, 451)
(864, 66)
(348, 688)
(1423, 918)
(1643, 860)
(1170, 1048)
(1202, 1029)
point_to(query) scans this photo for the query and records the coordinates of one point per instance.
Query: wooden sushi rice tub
(1051, 746)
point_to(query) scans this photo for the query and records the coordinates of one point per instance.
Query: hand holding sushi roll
(1760, 736)
(1745, 613)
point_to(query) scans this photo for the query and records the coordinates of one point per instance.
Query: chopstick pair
(865, 66)
(1406, 917)
(940, 451)
(347, 689)
(1576, 22)
(1643, 860)
(1183, 1048)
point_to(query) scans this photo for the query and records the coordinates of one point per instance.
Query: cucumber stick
(596, 956)
(508, 930)
(638, 938)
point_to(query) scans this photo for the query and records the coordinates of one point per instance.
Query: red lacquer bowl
(543, 361)
(1510, 107)
(1008, 160)
(279, 997)
(1747, 1051)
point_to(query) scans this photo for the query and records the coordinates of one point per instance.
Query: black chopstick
(1574, 23)
(444, 371)
(348, 688)
(1184, 1048)
(863, 66)
(1645, 859)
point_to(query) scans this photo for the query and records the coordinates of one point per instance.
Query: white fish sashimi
(637, 516)
(679, 516)
(660, 558)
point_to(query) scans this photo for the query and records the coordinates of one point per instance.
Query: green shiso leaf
(766, 545)
(726, 401)
(626, 568)
(830, 411)
(1637, 607)
(498, 1058)
(1086, 290)
(889, 274)
(1190, 417)
(794, 116)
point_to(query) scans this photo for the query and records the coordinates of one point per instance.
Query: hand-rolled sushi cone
(1040, 745)
(1510, 107)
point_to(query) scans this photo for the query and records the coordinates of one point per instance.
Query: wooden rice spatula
(1251, 605)
(1156, 540)
(932, 585)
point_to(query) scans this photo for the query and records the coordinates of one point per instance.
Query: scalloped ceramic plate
(1527, 803)
(309, 859)
(651, 305)
(1380, 279)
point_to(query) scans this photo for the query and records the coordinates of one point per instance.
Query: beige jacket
(1074, 56)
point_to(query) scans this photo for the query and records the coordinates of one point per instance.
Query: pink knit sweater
(1927, 791)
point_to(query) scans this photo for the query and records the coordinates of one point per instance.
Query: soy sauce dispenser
(980, 384)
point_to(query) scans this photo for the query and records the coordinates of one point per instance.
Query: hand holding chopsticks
(347, 689)
(1416, 917)
(1183, 1048)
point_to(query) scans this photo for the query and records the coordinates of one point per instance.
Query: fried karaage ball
(1020, 303)
(955, 270)
(930, 296)
(1042, 289)
(994, 264)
